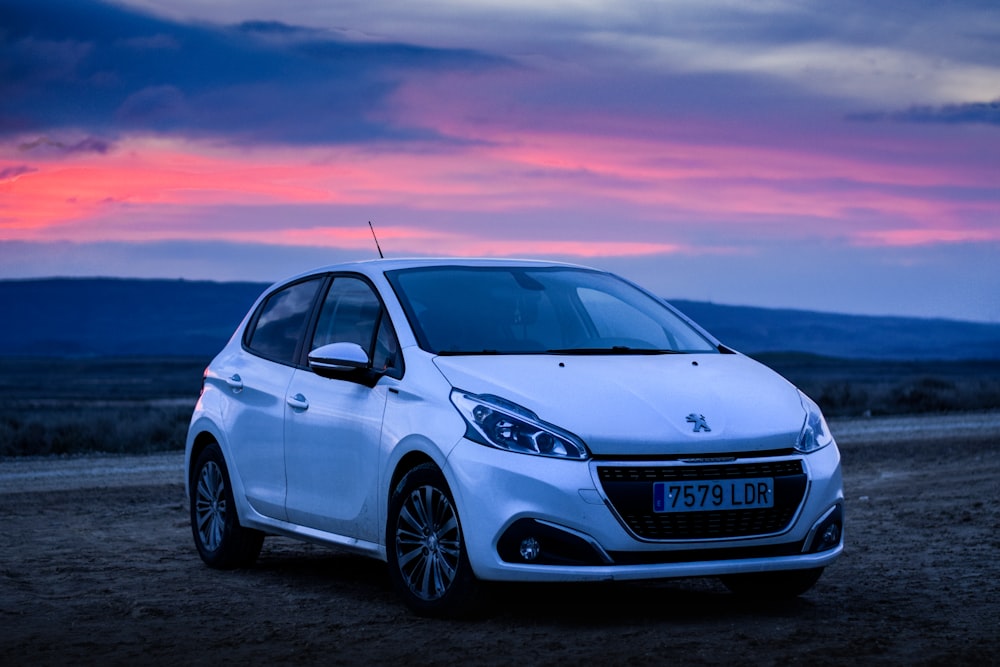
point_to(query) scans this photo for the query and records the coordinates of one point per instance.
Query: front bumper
(559, 512)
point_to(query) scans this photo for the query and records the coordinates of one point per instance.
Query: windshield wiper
(468, 353)
(613, 350)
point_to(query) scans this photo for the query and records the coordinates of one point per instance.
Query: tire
(222, 542)
(428, 563)
(773, 585)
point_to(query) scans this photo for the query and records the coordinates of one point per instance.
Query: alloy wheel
(210, 506)
(428, 542)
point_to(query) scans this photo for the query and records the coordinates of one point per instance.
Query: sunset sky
(837, 156)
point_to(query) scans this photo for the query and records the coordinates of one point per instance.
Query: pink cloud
(423, 241)
(920, 237)
(666, 186)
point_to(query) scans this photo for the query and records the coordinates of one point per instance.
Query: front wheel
(428, 564)
(222, 542)
(773, 585)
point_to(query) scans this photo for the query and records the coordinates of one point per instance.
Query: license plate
(706, 495)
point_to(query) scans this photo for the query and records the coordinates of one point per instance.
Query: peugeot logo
(699, 422)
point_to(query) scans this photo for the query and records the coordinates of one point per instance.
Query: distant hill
(74, 317)
(80, 317)
(753, 330)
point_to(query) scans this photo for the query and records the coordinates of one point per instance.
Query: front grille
(630, 490)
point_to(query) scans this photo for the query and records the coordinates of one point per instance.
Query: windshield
(527, 310)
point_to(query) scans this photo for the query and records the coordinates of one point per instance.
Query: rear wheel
(222, 542)
(773, 585)
(428, 564)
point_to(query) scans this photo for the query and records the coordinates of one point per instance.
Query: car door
(256, 380)
(333, 426)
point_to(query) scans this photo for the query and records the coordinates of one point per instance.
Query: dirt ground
(98, 571)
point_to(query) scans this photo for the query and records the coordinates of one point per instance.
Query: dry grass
(60, 427)
(143, 405)
(73, 406)
(850, 387)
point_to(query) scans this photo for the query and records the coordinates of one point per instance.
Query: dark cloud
(155, 106)
(13, 172)
(88, 145)
(974, 112)
(274, 28)
(101, 69)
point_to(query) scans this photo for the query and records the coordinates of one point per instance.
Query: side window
(349, 315)
(352, 313)
(282, 321)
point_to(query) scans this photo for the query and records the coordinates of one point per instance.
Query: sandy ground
(97, 566)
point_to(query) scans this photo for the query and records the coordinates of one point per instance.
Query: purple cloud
(13, 172)
(87, 145)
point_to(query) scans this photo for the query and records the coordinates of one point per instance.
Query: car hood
(644, 405)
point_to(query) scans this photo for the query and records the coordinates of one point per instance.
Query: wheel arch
(409, 461)
(401, 458)
(198, 444)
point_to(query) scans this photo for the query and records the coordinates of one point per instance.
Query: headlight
(505, 425)
(815, 433)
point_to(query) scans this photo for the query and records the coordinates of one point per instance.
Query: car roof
(373, 267)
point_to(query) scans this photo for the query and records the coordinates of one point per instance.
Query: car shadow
(338, 573)
(627, 603)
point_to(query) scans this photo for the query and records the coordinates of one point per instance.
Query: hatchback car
(498, 420)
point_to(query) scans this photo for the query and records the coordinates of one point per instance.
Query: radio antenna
(380, 255)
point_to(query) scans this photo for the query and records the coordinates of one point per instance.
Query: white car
(500, 420)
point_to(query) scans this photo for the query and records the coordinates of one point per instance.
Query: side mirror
(336, 358)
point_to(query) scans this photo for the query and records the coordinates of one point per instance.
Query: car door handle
(297, 402)
(235, 383)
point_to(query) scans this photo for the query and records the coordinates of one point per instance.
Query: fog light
(530, 548)
(828, 532)
(830, 537)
